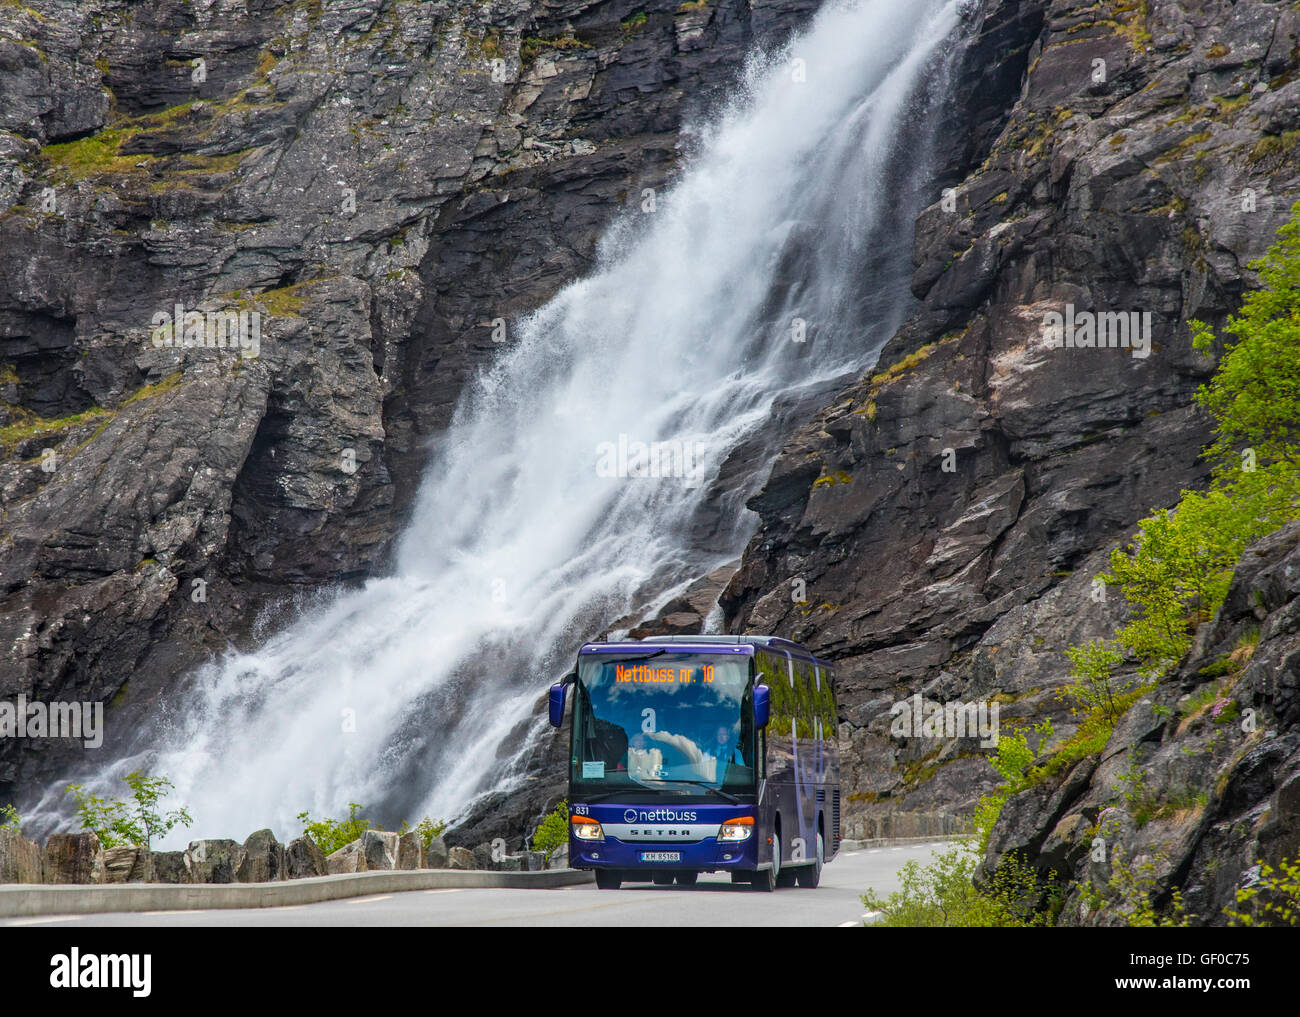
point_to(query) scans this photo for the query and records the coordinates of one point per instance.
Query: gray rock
(263, 860)
(380, 849)
(559, 858)
(460, 858)
(349, 858)
(73, 858)
(214, 861)
(410, 851)
(483, 857)
(304, 858)
(436, 855)
(128, 865)
(170, 867)
(20, 859)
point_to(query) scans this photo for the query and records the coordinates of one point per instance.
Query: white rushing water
(796, 203)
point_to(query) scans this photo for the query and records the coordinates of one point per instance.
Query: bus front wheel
(608, 879)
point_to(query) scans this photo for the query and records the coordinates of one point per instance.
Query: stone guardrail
(28, 900)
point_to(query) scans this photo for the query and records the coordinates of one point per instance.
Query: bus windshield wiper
(702, 783)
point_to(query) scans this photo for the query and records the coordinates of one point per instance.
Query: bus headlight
(586, 828)
(737, 829)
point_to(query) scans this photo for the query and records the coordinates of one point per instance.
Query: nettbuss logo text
(102, 971)
(658, 816)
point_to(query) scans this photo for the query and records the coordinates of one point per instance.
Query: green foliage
(1254, 395)
(332, 834)
(428, 830)
(1273, 900)
(553, 831)
(1180, 564)
(1141, 802)
(1131, 893)
(1095, 689)
(137, 820)
(1178, 568)
(943, 894)
(10, 820)
(1013, 761)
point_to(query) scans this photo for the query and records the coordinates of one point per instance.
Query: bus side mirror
(762, 707)
(557, 704)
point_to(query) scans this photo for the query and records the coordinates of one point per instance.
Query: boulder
(510, 863)
(263, 860)
(460, 858)
(169, 867)
(348, 858)
(410, 851)
(73, 858)
(130, 864)
(304, 858)
(559, 858)
(214, 861)
(20, 858)
(379, 849)
(435, 855)
(483, 857)
(534, 861)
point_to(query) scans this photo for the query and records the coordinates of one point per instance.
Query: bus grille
(835, 818)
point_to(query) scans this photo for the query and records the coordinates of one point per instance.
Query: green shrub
(943, 894)
(428, 829)
(553, 831)
(1274, 900)
(1131, 893)
(138, 820)
(10, 820)
(332, 834)
(1095, 689)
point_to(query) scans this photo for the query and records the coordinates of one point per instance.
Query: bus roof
(702, 644)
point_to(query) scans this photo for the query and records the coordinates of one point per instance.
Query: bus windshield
(679, 722)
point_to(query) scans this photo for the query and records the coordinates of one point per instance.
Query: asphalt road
(714, 900)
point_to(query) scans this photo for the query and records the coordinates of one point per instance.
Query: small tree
(553, 831)
(332, 834)
(139, 820)
(1093, 666)
(10, 820)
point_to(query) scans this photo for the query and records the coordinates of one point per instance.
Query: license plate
(661, 856)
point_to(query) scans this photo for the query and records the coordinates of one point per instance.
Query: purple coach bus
(693, 754)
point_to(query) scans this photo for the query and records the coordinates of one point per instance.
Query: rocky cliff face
(383, 183)
(1200, 781)
(949, 513)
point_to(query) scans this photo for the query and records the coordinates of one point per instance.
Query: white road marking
(46, 921)
(450, 889)
(847, 925)
(371, 900)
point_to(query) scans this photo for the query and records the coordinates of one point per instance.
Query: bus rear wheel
(810, 875)
(608, 879)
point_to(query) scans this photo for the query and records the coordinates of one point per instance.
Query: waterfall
(791, 219)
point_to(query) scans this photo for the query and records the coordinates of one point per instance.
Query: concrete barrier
(859, 845)
(26, 900)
